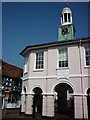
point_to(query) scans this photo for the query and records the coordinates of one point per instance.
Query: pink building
(56, 75)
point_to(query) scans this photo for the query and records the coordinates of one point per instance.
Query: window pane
(68, 17)
(63, 58)
(87, 51)
(65, 17)
(39, 60)
(26, 64)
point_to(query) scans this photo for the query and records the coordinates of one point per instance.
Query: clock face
(65, 30)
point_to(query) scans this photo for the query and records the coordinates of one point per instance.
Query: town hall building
(56, 75)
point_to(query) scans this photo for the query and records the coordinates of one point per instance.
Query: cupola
(66, 31)
(66, 16)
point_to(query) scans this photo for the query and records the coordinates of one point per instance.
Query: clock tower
(66, 31)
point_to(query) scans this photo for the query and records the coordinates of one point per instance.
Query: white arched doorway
(64, 100)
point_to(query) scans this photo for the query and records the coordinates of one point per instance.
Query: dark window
(68, 17)
(63, 57)
(87, 55)
(62, 18)
(39, 60)
(65, 17)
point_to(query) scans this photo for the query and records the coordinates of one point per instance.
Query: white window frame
(35, 62)
(85, 56)
(26, 64)
(58, 58)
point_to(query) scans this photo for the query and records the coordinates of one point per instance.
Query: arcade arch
(63, 99)
(37, 100)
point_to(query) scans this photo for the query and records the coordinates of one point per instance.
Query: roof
(11, 70)
(53, 44)
(66, 8)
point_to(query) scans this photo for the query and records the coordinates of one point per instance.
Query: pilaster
(80, 107)
(48, 106)
(23, 103)
(29, 103)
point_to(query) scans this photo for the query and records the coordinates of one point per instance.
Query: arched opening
(37, 101)
(88, 102)
(64, 102)
(69, 17)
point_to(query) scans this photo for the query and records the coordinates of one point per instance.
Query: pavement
(15, 115)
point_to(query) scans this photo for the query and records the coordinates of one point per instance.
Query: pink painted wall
(50, 66)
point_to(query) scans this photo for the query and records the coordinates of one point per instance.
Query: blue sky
(25, 24)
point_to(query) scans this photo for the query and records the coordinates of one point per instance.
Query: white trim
(38, 70)
(42, 77)
(66, 23)
(58, 57)
(26, 65)
(87, 75)
(25, 78)
(64, 81)
(51, 94)
(84, 58)
(85, 66)
(62, 68)
(27, 93)
(34, 61)
(38, 77)
(79, 94)
(41, 87)
(23, 93)
(74, 75)
(87, 89)
(40, 51)
(50, 77)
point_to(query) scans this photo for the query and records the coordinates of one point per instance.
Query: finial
(66, 3)
(65, 0)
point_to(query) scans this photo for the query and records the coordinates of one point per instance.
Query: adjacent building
(11, 85)
(56, 75)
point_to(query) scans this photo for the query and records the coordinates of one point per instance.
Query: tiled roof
(11, 70)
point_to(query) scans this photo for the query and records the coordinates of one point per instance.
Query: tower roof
(66, 10)
(66, 16)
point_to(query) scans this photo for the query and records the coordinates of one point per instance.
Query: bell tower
(66, 31)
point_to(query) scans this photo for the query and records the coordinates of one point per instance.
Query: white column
(29, 103)
(23, 103)
(48, 106)
(63, 18)
(71, 18)
(85, 107)
(44, 110)
(80, 108)
(67, 18)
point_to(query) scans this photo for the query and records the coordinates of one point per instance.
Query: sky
(27, 23)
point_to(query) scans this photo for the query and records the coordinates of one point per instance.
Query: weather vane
(66, 3)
